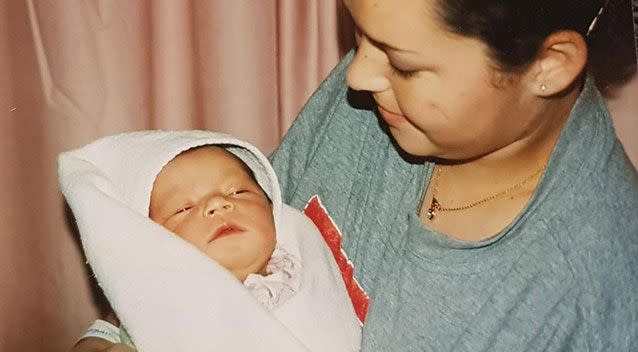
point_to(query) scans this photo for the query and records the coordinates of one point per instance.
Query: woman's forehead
(391, 10)
(397, 24)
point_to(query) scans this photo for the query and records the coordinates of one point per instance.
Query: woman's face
(438, 92)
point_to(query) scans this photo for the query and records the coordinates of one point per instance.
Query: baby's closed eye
(183, 209)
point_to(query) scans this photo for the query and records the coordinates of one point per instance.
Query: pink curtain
(75, 70)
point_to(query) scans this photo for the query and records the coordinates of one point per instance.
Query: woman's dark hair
(514, 31)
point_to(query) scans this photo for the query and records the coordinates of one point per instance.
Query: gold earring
(543, 87)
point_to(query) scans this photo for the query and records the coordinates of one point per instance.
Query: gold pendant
(434, 207)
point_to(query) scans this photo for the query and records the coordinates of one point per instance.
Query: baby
(211, 199)
(221, 197)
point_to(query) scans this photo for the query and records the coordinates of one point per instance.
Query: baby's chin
(242, 274)
(242, 268)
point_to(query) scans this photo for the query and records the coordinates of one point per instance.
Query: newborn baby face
(207, 197)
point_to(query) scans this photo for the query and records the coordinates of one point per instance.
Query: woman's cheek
(423, 113)
(413, 97)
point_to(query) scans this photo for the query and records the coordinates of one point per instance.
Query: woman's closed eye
(402, 73)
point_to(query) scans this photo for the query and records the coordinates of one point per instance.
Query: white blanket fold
(169, 295)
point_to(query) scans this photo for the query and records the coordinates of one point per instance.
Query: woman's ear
(559, 63)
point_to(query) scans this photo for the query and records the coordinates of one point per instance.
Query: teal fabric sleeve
(562, 276)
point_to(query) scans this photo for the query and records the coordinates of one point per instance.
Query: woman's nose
(368, 69)
(216, 205)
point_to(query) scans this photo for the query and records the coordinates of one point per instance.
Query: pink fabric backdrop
(74, 70)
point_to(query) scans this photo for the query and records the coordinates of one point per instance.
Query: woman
(490, 206)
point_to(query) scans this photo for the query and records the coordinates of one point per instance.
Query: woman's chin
(418, 147)
(421, 147)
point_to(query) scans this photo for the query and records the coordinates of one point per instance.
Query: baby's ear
(559, 63)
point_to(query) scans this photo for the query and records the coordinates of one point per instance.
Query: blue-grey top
(563, 276)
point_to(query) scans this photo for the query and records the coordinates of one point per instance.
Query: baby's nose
(218, 204)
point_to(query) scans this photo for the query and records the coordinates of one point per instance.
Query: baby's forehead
(213, 151)
(211, 154)
(199, 160)
(194, 166)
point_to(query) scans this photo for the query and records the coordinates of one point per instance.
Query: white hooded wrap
(169, 295)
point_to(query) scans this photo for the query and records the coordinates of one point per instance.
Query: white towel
(169, 295)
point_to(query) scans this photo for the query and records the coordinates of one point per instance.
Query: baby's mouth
(225, 230)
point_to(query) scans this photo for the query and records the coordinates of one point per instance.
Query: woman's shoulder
(590, 233)
(590, 190)
(599, 210)
(595, 225)
(588, 201)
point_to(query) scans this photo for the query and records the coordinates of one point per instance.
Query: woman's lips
(391, 118)
(225, 231)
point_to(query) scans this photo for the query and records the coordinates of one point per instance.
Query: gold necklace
(435, 205)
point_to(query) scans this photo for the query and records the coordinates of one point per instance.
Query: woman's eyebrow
(385, 45)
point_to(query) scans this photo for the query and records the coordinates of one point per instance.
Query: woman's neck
(513, 172)
(527, 153)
